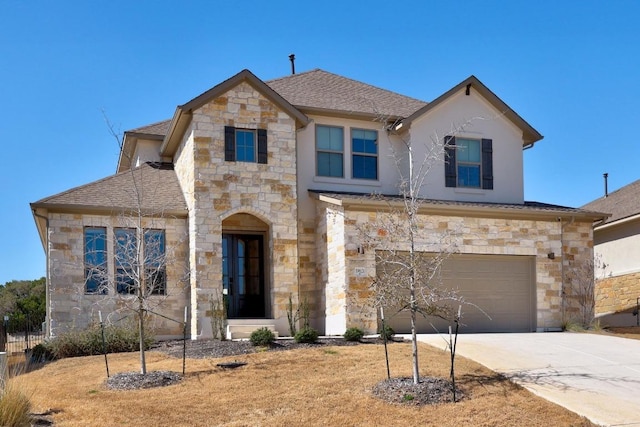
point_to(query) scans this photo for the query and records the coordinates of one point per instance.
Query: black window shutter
(450, 173)
(487, 164)
(262, 146)
(230, 143)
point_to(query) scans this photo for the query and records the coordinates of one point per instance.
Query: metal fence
(18, 342)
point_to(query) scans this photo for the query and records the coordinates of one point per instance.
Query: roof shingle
(319, 89)
(156, 184)
(622, 203)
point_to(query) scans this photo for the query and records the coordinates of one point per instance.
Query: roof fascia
(310, 111)
(108, 211)
(473, 211)
(621, 221)
(529, 134)
(179, 122)
(40, 216)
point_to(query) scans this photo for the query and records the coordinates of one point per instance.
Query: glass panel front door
(243, 274)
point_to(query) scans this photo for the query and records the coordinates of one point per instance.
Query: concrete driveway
(593, 375)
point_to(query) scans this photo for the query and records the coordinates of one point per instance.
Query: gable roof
(323, 92)
(182, 115)
(154, 131)
(157, 184)
(623, 203)
(529, 134)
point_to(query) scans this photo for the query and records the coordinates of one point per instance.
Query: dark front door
(243, 274)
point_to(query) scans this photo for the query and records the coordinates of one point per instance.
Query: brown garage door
(501, 286)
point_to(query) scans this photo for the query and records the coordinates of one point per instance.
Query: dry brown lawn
(625, 332)
(305, 387)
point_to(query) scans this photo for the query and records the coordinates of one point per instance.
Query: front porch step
(237, 332)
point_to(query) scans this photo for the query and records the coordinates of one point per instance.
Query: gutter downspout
(47, 274)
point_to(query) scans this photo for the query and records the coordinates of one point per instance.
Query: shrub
(387, 333)
(262, 337)
(353, 334)
(41, 353)
(306, 335)
(15, 406)
(89, 341)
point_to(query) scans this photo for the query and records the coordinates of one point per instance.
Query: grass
(318, 386)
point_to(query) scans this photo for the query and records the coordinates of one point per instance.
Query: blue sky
(569, 68)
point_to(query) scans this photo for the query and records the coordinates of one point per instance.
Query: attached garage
(502, 288)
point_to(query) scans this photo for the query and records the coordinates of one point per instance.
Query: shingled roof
(156, 183)
(319, 90)
(159, 129)
(622, 203)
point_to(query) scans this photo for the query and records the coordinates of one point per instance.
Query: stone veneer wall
(222, 189)
(311, 286)
(476, 236)
(618, 294)
(69, 306)
(331, 254)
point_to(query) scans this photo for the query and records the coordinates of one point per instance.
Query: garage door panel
(500, 291)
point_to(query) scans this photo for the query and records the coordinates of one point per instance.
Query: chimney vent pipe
(606, 189)
(292, 58)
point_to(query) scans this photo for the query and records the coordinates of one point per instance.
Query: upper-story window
(245, 145)
(364, 152)
(329, 151)
(95, 260)
(468, 162)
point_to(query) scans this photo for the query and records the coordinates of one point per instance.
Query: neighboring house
(617, 247)
(259, 189)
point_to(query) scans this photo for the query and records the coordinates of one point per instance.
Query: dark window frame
(355, 154)
(230, 145)
(95, 271)
(451, 164)
(126, 264)
(330, 152)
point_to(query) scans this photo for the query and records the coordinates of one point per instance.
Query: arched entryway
(244, 266)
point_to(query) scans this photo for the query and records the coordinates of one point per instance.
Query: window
(126, 261)
(468, 163)
(364, 152)
(245, 145)
(154, 261)
(95, 260)
(329, 151)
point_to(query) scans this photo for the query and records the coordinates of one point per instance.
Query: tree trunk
(143, 362)
(414, 348)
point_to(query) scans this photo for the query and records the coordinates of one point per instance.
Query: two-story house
(617, 253)
(257, 189)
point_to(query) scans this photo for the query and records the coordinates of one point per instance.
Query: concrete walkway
(592, 375)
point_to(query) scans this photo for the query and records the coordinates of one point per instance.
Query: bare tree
(138, 283)
(409, 254)
(579, 291)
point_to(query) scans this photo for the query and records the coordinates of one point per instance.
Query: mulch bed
(396, 390)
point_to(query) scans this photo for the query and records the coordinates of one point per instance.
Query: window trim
(317, 150)
(363, 154)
